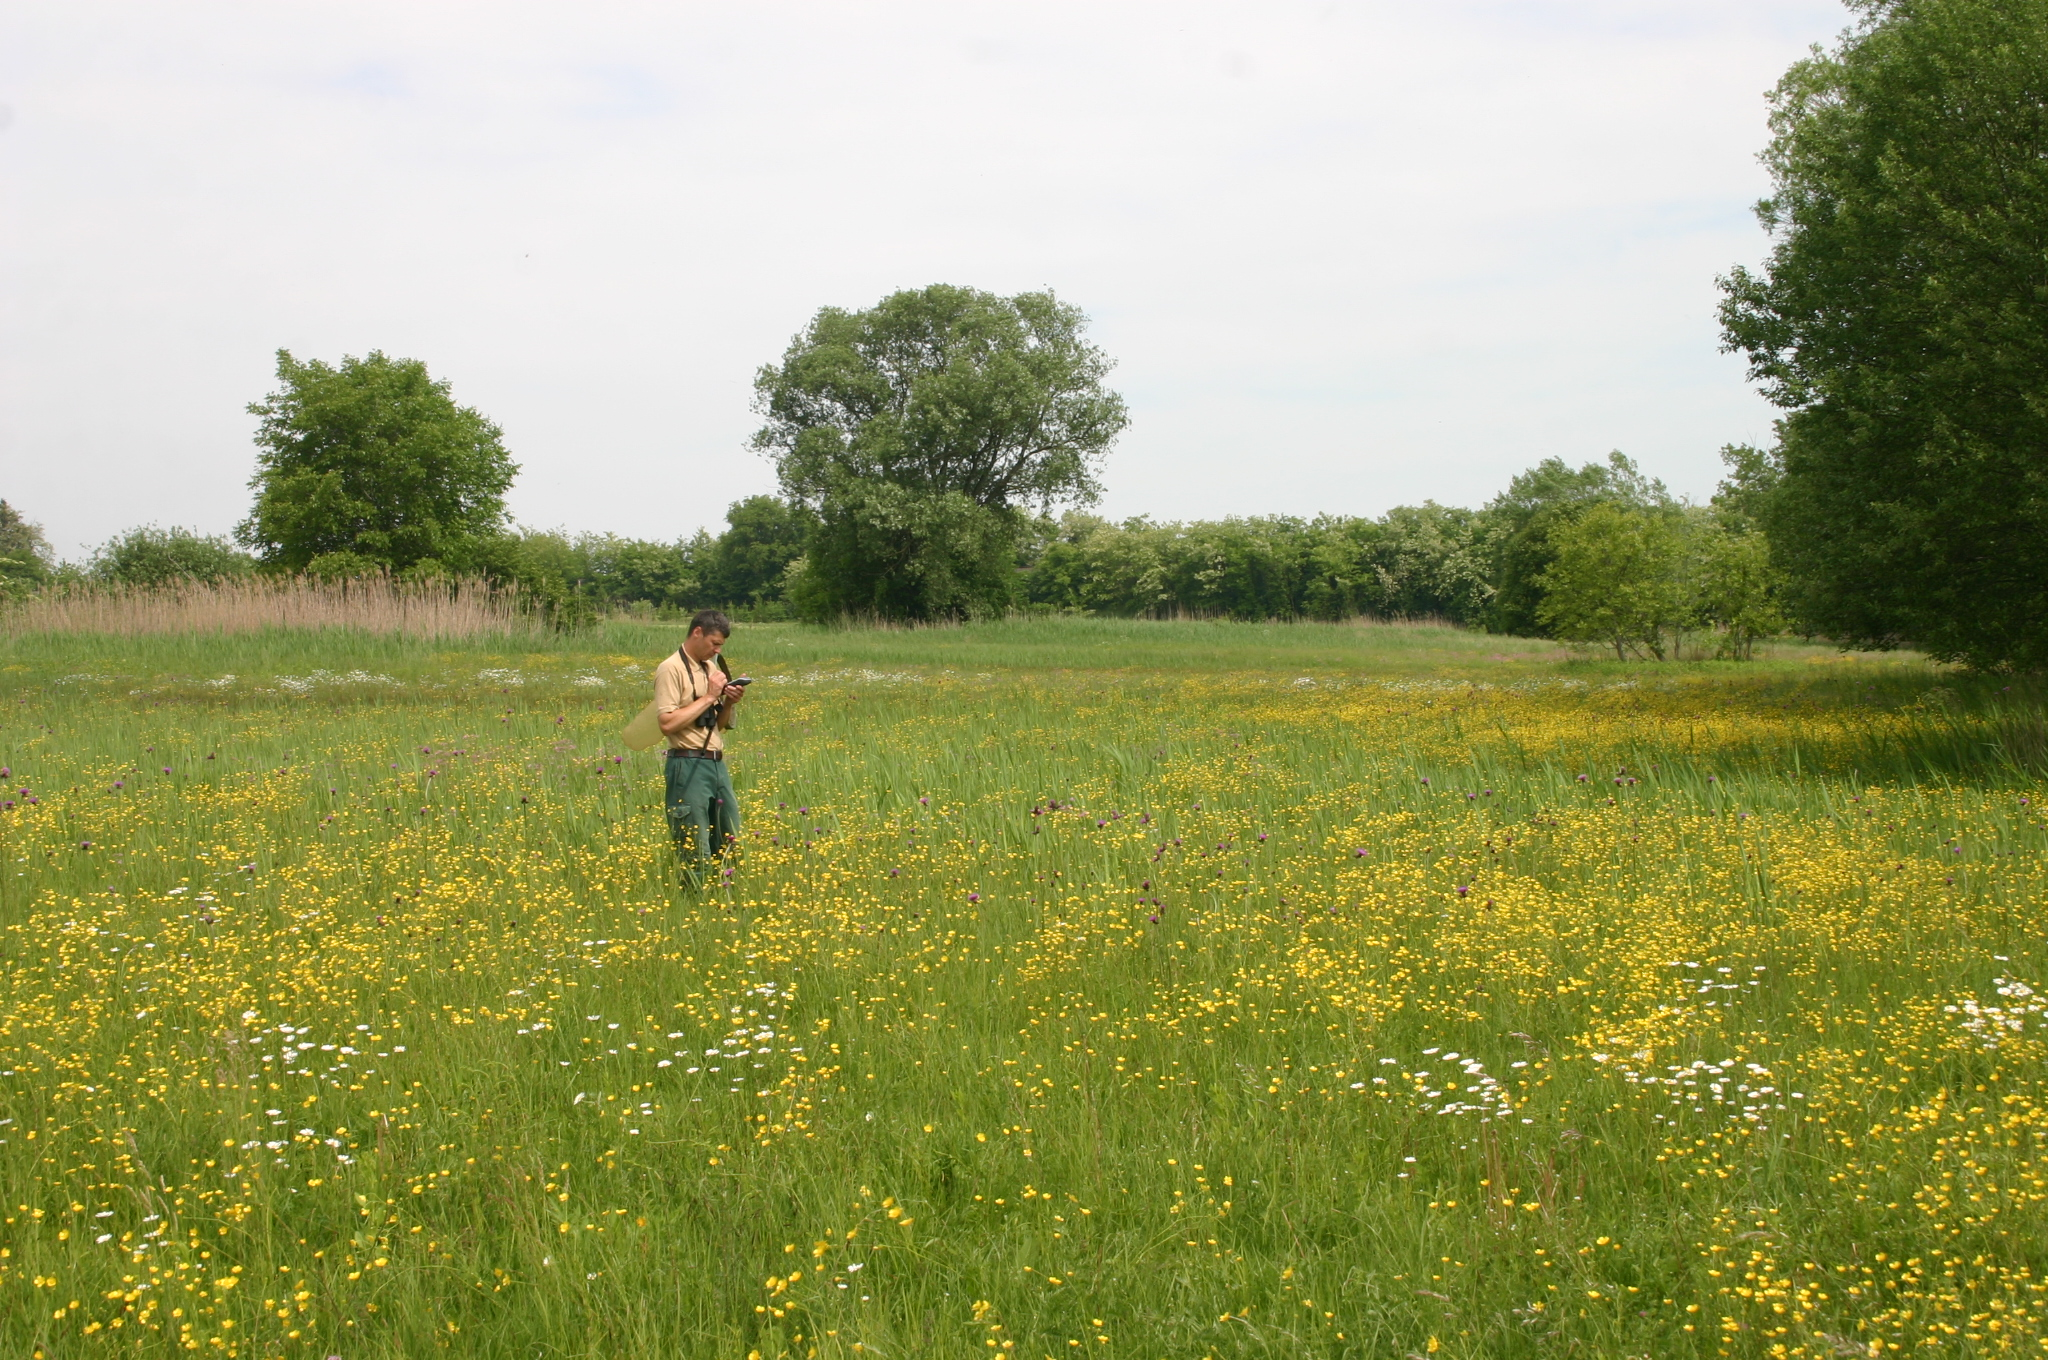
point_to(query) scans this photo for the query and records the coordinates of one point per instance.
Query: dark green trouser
(703, 814)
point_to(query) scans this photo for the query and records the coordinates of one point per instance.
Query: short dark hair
(711, 621)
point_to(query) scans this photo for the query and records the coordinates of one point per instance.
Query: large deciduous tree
(919, 433)
(1902, 325)
(372, 464)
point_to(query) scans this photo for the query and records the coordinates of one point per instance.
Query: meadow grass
(1080, 987)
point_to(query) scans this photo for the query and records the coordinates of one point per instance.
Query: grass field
(1080, 988)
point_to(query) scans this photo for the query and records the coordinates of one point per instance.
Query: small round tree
(372, 464)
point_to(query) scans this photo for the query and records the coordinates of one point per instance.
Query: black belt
(693, 753)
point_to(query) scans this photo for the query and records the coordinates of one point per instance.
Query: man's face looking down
(701, 646)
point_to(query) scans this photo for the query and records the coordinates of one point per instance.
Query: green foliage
(616, 571)
(1424, 561)
(375, 461)
(1638, 577)
(1737, 588)
(746, 565)
(942, 389)
(541, 566)
(574, 579)
(343, 566)
(1612, 579)
(1744, 494)
(1415, 562)
(150, 556)
(1087, 564)
(922, 429)
(893, 552)
(1522, 522)
(1710, 568)
(1902, 324)
(1239, 568)
(25, 559)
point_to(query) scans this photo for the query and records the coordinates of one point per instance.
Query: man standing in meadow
(693, 703)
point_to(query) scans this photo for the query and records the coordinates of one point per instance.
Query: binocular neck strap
(687, 663)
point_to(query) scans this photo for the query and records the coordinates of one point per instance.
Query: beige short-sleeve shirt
(679, 681)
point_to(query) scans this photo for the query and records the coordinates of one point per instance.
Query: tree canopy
(919, 432)
(943, 389)
(1901, 322)
(373, 464)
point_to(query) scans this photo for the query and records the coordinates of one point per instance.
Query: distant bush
(150, 556)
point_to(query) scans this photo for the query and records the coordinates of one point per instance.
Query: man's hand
(732, 694)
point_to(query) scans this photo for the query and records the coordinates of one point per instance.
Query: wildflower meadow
(1078, 989)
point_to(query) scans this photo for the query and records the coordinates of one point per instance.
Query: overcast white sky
(1347, 256)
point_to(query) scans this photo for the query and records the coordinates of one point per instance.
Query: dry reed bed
(374, 605)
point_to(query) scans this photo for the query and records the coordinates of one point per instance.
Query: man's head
(709, 628)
